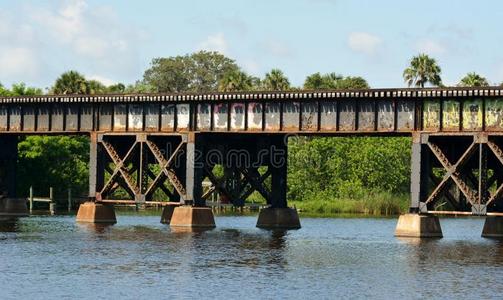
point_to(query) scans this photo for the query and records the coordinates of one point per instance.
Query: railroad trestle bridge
(168, 144)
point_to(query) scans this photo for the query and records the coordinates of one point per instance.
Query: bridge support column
(194, 212)
(167, 214)
(278, 215)
(418, 226)
(415, 224)
(493, 227)
(90, 211)
(10, 207)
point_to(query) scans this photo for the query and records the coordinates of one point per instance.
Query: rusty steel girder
(471, 163)
(135, 163)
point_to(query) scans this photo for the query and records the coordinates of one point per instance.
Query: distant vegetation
(326, 175)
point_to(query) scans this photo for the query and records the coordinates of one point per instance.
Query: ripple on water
(51, 257)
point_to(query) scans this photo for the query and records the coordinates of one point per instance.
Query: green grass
(382, 204)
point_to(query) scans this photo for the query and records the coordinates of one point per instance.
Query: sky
(115, 40)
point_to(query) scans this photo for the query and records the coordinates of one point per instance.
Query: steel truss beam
(239, 184)
(241, 177)
(132, 170)
(498, 153)
(179, 173)
(466, 161)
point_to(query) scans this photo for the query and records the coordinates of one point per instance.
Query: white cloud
(216, 42)
(17, 56)
(431, 47)
(64, 24)
(18, 61)
(363, 42)
(72, 35)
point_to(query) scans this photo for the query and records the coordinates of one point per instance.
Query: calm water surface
(53, 257)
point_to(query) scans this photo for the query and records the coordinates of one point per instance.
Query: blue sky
(115, 40)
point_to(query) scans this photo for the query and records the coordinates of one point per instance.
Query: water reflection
(10, 225)
(277, 239)
(422, 252)
(187, 229)
(326, 259)
(94, 227)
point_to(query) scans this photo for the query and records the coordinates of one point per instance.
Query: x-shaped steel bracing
(121, 176)
(453, 173)
(496, 150)
(120, 170)
(250, 180)
(166, 169)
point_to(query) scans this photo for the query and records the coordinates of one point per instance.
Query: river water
(44, 257)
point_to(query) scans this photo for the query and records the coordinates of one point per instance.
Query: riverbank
(376, 205)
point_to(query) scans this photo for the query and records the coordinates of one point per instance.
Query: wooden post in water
(31, 199)
(52, 205)
(69, 199)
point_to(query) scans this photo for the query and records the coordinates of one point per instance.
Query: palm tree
(473, 79)
(423, 69)
(71, 82)
(276, 81)
(96, 87)
(235, 81)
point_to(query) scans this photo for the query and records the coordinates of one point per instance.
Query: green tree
(348, 167)
(118, 88)
(352, 83)
(332, 81)
(20, 89)
(422, 70)
(71, 82)
(96, 87)
(3, 91)
(473, 79)
(197, 72)
(275, 80)
(236, 81)
(57, 161)
(314, 82)
(139, 87)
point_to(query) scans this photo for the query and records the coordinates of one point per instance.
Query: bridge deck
(389, 111)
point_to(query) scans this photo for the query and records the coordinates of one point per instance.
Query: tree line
(319, 167)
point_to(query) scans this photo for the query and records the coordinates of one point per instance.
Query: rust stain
(472, 114)
(328, 116)
(494, 115)
(431, 115)
(385, 116)
(272, 111)
(220, 116)
(203, 116)
(254, 116)
(237, 116)
(450, 115)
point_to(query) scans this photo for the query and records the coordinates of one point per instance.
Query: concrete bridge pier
(418, 226)
(278, 215)
(417, 223)
(90, 211)
(193, 212)
(11, 207)
(493, 227)
(454, 173)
